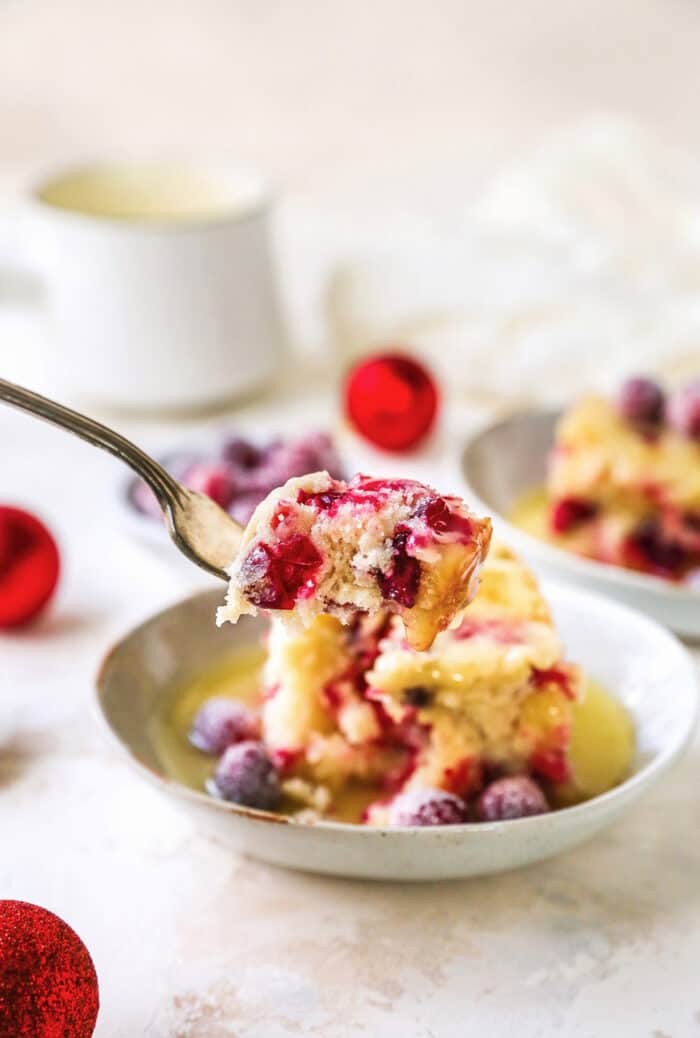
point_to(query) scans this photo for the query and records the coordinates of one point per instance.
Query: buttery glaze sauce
(160, 192)
(530, 513)
(601, 748)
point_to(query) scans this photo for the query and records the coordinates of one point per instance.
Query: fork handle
(163, 485)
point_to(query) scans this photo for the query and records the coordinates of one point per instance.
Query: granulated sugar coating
(48, 983)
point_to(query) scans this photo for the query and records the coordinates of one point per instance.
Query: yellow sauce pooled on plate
(530, 513)
(601, 746)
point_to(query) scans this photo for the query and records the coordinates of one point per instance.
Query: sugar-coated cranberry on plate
(215, 479)
(683, 410)
(515, 796)
(241, 453)
(641, 399)
(221, 722)
(242, 473)
(246, 775)
(29, 566)
(391, 400)
(423, 807)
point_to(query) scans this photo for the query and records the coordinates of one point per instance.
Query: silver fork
(201, 529)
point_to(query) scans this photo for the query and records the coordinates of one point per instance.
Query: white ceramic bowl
(630, 655)
(509, 458)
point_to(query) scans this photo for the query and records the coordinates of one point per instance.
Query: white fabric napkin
(576, 266)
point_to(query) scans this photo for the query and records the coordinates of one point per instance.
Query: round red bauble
(29, 566)
(392, 400)
(48, 984)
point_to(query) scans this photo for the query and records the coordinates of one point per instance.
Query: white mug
(159, 284)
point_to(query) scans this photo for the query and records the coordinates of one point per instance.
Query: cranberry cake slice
(493, 696)
(352, 711)
(321, 545)
(624, 479)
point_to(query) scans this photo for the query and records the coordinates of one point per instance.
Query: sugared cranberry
(401, 581)
(246, 775)
(241, 453)
(275, 576)
(567, 513)
(29, 566)
(312, 453)
(178, 463)
(221, 722)
(444, 522)
(427, 807)
(392, 400)
(641, 400)
(244, 473)
(213, 479)
(516, 796)
(683, 410)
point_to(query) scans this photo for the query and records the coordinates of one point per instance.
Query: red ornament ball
(392, 400)
(29, 566)
(48, 984)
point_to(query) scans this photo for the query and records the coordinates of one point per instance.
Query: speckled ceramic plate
(630, 655)
(507, 459)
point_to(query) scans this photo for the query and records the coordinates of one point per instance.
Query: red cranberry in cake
(641, 400)
(421, 807)
(683, 411)
(246, 775)
(277, 575)
(648, 548)
(401, 580)
(220, 722)
(320, 545)
(570, 512)
(516, 796)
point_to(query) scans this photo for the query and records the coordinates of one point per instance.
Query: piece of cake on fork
(321, 545)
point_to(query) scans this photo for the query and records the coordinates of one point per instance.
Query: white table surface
(193, 942)
(418, 105)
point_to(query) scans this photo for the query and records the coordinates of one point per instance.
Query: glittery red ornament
(48, 984)
(29, 566)
(392, 400)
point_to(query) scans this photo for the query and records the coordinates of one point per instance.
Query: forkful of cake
(316, 544)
